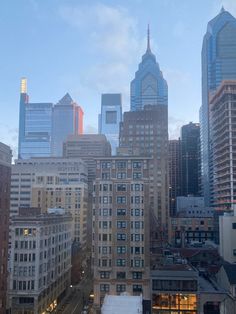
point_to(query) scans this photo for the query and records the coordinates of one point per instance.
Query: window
(137, 288)
(121, 212)
(121, 275)
(121, 249)
(120, 288)
(106, 165)
(105, 187)
(104, 274)
(104, 288)
(121, 199)
(137, 164)
(121, 224)
(105, 175)
(120, 262)
(121, 164)
(137, 275)
(105, 200)
(234, 225)
(121, 175)
(121, 187)
(137, 175)
(111, 117)
(121, 236)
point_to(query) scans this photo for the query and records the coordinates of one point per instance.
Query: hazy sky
(88, 47)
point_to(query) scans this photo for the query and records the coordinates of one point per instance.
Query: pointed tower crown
(23, 85)
(148, 39)
(222, 9)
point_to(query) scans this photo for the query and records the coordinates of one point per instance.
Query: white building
(227, 226)
(40, 260)
(124, 303)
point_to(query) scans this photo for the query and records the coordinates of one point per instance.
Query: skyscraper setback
(149, 86)
(218, 64)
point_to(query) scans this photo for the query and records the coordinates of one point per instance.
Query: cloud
(174, 126)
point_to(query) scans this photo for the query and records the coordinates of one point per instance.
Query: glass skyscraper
(67, 120)
(110, 118)
(149, 86)
(35, 127)
(218, 64)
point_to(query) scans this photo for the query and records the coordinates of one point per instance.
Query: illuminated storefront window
(174, 303)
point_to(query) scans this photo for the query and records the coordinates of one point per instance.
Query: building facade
(52, 182)
(218, 64)
(5, 182)
(35, 127)
(174, 174)
(110, 118)
(149, 86)
(40, 261)
(190, 153)
(121, 227)
(223, 145)
(67, 120)
(146, 132)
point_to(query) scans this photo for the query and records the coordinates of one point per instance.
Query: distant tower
(35, 126)
(148, 87)
(110, 118)
(67, 120)
(218, 64)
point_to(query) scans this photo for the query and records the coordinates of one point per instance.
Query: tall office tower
(149, 86)
(174, 174)
(121, 227)
(35, 127)
(190, 146)
(52, 182)
(88, 147)
(40, 261)
(67, 119)
(218, 64)
(223, 140)
(5, 181)
(110, 118)
(146, 132)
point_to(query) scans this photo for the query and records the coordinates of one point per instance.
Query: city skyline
(45, 33)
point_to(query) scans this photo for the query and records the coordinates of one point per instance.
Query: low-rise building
(40, 260)
(124, 303)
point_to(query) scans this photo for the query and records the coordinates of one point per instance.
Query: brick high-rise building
(5, 181)
(121, 231)
(146, 131)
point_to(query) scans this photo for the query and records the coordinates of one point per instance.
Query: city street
(74, 302)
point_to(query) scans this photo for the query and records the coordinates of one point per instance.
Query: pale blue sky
(91, 47)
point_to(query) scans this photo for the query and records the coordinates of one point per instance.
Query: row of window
(121, 262)
(121, 164)
(121, 275)
(121, 175)
(120, 288)
(121, 237)
(120, 212)
(121, 249)
(121, 224)
(23, 285)
(120, 200)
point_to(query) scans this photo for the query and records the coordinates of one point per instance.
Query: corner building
(121, 227)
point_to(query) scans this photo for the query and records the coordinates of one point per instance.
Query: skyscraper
(35, 127)
(67, 120)
(110, 118)
(149, 86)
(218, 63)
(5, 183)
(190, 145)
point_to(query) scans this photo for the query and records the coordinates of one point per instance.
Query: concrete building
(88, 147)
(174, 174)
(223, 143)
(121, 233)
(40, 261)
(193, 206)
(52, 182)
(35, 127)
(67, 119)
(227, 226)
(190, 158)
(124, 303)
(110, 118)
(218, 64)
(149, 86)
(5, 182)
(146, 131)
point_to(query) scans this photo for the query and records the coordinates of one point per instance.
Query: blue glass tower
(110, 118)
(218, 64)
(35, 127)
(149, 86)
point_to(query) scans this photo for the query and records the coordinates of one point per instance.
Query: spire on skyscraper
(23, 85)
(148, 39)
(222, 9)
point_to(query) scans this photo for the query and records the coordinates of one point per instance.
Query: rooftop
(124, 303)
